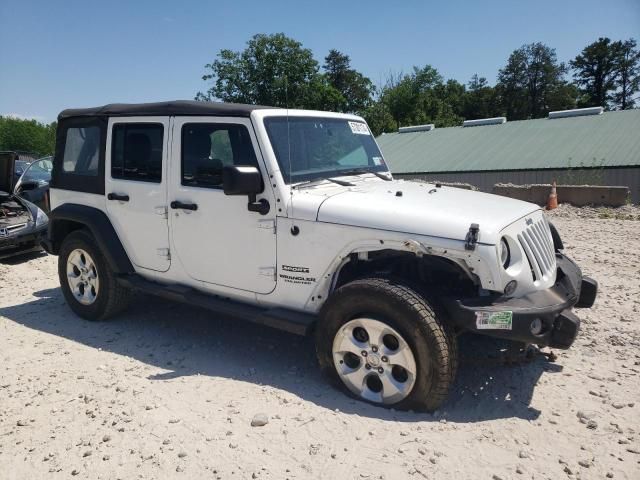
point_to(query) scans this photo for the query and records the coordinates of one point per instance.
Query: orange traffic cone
(552, 201)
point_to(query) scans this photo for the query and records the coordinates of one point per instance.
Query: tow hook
(472, 237)
(524, 352)
(516, 353)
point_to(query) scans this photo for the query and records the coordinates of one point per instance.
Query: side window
(136, 152)
(81, 151)
(207, 147)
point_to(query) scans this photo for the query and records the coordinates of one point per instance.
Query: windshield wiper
(307, 183)
(382, 176)
(360, 171)
(344, 183)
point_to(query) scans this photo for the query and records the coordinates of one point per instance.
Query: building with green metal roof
(584, 146)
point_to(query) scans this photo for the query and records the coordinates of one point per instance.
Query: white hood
(412, 207)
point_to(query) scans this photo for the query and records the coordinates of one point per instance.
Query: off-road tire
(111, 298)
(420, 322)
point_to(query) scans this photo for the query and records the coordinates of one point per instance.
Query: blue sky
(60, 54)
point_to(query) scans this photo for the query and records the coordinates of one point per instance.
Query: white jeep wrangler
(291, 219)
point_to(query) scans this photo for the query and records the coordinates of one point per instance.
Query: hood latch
(471, 239)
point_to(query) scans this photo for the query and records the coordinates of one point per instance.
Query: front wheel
(386, 344)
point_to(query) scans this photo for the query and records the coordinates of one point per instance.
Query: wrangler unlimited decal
(294, 279)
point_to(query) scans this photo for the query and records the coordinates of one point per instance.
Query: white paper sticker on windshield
(359, 128)
(377, 161)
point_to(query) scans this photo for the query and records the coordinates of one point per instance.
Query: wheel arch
(70, 217)
(407, 260)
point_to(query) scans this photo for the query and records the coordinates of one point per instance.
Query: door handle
(183, 206)
(116, 196)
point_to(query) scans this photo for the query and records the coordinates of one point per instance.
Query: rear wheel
(89, 285)
(82, 276)
(386, 344)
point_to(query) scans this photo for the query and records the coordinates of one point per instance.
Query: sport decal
(289, 268)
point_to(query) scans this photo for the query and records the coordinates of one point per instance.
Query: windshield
(322, 147)
(39, 171)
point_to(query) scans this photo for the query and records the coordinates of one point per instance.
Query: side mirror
(245, 180)
(241, 180)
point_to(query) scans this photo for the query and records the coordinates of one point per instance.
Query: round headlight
(505, 254)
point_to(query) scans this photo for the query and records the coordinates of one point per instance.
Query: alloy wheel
(82, 275)
(374, 361)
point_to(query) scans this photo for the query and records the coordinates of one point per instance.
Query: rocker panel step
(281, 318)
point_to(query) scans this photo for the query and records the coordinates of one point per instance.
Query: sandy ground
(168, 391)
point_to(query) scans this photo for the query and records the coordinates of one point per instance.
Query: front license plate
(494, 320)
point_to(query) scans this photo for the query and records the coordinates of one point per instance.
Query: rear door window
(136, 152)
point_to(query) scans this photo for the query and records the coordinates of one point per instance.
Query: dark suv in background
(23, 221)
(33, 184)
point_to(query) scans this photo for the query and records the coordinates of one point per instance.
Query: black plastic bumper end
(565, 329)
(588, 293)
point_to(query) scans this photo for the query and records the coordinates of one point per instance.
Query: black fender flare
(97, 222)
(555, 235)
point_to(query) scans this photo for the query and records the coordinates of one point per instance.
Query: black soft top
(176, 107)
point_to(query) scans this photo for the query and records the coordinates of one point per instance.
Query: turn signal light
(510, 288)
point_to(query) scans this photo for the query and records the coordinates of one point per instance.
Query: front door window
(207, 147)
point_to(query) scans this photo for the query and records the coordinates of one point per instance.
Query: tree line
(30, 136)
(277, 70)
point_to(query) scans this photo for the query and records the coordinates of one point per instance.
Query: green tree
(628, 78)
(399, 98)
(528, 84)
(319, 94)
(272, 70)
(426, 99)
(27, 136)
(356, 89)
(563, 97)
(379, 119)
(442, 103)
(480, 100)
(422, 97)
(596, 71)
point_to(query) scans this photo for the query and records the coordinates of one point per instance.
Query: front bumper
(543, 317)
(23, 242)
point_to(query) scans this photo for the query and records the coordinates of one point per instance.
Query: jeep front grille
(538, 245)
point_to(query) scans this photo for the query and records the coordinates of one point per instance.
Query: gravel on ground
(170, 391)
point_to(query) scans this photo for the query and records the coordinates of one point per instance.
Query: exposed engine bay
(12, 212)
(23, 225)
